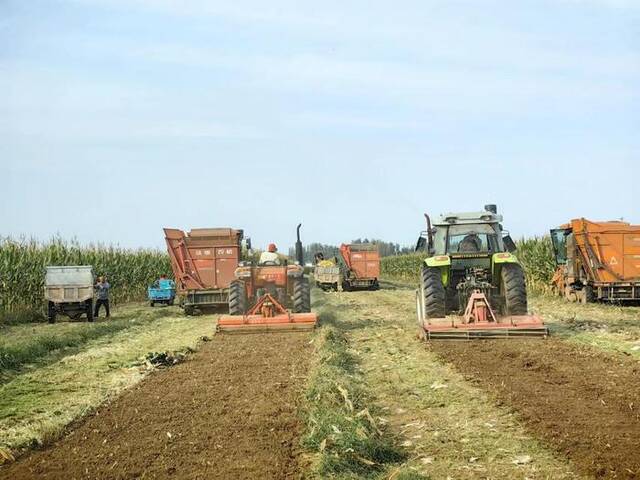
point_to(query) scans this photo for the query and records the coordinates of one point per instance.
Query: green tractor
(471, 271)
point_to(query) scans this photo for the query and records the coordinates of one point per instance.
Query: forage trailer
(597, 261)
(361, 266)
(204, 261)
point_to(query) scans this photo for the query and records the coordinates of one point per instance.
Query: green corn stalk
(23, 262)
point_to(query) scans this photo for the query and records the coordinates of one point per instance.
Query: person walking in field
(102, 296)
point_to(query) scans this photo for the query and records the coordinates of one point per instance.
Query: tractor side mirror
(509, 244)
(421, 244)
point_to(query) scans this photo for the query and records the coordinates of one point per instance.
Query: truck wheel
(89, 310)
(171, 302)
(433, 292)
(152, 303)
(514, 289)
(301, 296)
(51, 312)
(587, 295)
(237, 298)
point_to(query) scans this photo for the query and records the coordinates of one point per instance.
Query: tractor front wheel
(433, 293)
(514, 289)
(237, 298)
(301, 296)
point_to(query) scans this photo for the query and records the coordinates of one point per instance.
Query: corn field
(535, 255)
(23, 262)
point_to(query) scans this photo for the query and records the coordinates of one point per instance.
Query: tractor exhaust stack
(299, 251)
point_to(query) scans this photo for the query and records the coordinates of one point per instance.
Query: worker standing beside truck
(102, 296)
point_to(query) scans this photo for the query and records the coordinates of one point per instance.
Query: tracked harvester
(269, 297)
(471, 283)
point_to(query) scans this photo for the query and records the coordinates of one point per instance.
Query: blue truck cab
(162, 291)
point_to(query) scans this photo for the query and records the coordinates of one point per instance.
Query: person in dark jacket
(102, 296)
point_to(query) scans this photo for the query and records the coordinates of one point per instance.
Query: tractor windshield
(479, 238)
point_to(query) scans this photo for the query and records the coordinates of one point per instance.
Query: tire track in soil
(230, 411)
(583, 402)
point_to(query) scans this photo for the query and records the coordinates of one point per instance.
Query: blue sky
(120, 117)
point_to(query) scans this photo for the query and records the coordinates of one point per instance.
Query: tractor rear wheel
(301, 296)
(514, 289)
(433, 293)
(237, 298)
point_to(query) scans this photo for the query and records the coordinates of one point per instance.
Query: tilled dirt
(230, 411)
(584, 403)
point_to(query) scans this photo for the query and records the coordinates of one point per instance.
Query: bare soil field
(585, 402)
(230, 411)
(361, 398)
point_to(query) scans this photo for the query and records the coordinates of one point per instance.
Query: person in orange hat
(270, 257)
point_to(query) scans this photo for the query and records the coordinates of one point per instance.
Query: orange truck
(204, 262)
(360, 266)
(597, 261)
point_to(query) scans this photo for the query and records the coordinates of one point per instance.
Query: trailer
(326, 272)
(360, 266)
(204, 261)
(597, 261)
(69, 290)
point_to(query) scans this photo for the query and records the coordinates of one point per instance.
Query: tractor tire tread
(515, 289)
(434, 292)
(301, 296)
(237, 298)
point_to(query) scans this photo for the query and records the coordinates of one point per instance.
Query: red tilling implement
(479, 321)
(265, 316)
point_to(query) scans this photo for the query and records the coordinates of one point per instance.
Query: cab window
(479, 238)
(559, 241)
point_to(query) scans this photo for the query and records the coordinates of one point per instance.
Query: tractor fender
(499, 259)
(443, 262)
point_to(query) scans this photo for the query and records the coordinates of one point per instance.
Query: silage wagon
(597, 261)
(360, 266)
(204, 261)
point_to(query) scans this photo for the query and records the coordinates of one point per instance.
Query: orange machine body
(597, 260)
(204, 261)
(361, 266)
(267, 295)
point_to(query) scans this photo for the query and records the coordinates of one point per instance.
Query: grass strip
(15, 355)
(340, 419)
